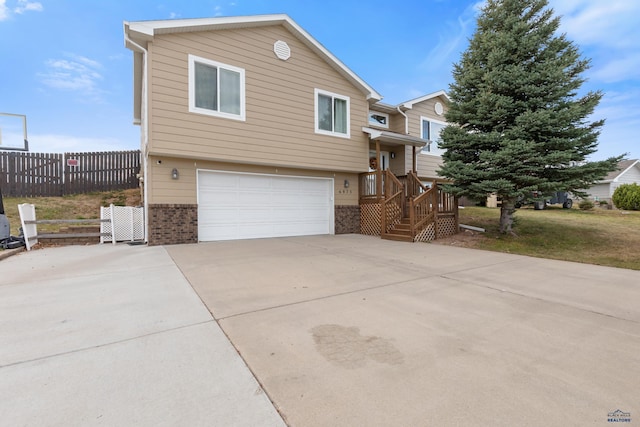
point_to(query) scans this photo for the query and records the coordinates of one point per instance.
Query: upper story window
(430, 130)
(216, 89)
(379, 119)
(332, 114)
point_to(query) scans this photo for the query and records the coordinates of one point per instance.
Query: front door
(384, 160)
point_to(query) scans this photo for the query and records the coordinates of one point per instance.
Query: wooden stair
(400, 232)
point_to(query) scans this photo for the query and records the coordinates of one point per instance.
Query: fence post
(113, 224)
(12, 175)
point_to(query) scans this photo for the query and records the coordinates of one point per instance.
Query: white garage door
(245, 206)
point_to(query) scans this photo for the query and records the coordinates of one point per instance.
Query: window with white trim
(216, 89)
(332, 114)
(379, 119)
(430, 130)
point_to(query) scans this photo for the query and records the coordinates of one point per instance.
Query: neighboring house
(627, 172)
(251, 128)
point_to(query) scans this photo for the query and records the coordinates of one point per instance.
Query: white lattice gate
(126, 224)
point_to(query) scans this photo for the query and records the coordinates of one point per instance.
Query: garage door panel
(242, 206)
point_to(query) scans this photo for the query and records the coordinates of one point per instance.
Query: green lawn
(598, 236)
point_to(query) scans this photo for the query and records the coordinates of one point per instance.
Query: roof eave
(394, 138)
(144, 31)
(409, 104)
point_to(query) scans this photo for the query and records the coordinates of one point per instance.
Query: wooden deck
(408, 210)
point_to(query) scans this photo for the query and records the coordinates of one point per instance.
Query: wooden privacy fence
(42, 174)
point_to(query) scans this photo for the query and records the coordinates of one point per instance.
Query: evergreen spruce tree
(517, 124)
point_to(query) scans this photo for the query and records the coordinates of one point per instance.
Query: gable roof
(140, 32)
(622, 168)
(409, 104)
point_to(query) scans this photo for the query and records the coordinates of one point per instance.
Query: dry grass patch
(603, 237)
(77, 206)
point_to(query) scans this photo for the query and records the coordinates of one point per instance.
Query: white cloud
(76, 73)
(25, 6)
(453, 40)
(217, 11)
(621, 111)
(608, 31)
(611, 23)
(53, 143)
(19, 7)
(4, 10)
(618, 69)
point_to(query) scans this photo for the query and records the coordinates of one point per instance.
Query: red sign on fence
(72, 162)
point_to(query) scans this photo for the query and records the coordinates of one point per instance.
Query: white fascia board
(148, 29)
(409, 104)
(383, 108)
(394, 138)
(372, 94)
(626, 170)
(151, 28)
(373, 133)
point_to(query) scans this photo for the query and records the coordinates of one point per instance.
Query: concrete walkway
(354, 330)
(114, 335)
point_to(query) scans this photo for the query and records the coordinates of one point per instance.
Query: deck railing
(406, 197)
(447, 202)
(368, 188)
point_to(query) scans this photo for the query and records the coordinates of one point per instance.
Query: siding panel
(183, 190)
(279, 126)
(428, 164)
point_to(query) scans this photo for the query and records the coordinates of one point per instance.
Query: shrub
(585, 204)
(627, 197)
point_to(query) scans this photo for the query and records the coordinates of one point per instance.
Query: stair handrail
(394, 194)
(415, 187)
(423, 209)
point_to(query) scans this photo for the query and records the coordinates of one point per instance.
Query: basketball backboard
(13, 132)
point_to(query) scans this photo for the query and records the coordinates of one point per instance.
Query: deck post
(414, 160)
(436, 209)
(378, 173)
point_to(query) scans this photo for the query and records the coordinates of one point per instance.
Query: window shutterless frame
(379, 119)
(332, 114)
(216, 89)
(430, 130)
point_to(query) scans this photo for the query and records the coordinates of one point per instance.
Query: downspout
(413, 149)
(145, 134)
(406, 120)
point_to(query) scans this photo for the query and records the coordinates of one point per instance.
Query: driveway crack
(79, 350)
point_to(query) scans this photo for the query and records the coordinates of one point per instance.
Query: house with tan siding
(250, 128)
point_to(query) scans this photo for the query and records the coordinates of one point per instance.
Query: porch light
(346, 183)
(174, 174)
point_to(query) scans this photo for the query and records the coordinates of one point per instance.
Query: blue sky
(64, 63)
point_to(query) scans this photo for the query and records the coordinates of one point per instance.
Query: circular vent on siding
(439, 109)
(282, 50)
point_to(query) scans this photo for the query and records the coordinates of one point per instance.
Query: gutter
(144, 128)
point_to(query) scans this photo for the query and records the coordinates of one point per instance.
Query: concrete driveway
(334, 330)
(353, 330)
(115, 336)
